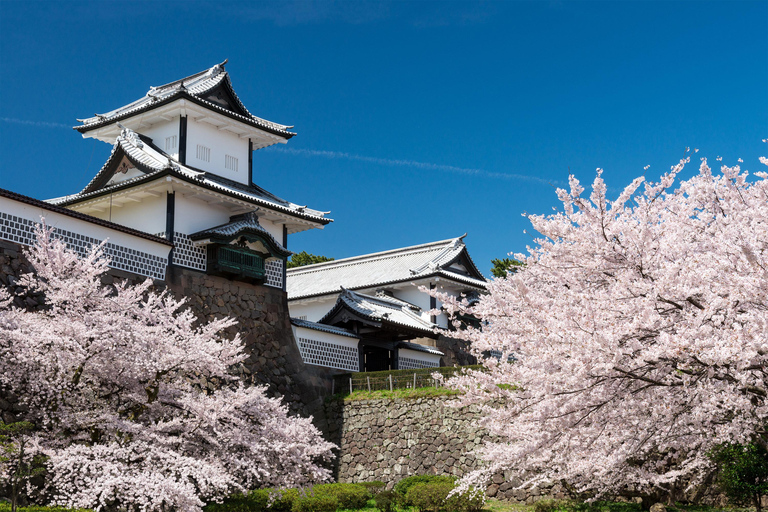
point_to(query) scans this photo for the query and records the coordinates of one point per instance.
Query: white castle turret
(182, 164)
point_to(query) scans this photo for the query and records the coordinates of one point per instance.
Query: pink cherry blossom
(634, 339)
(114, 378)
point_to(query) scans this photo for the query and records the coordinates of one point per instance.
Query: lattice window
(171, 142)
(331, 355)
(230, 163)
(302, 317)
(274, 270)
(409, 363)
(203, 153)
(21, 230)
(186, 254)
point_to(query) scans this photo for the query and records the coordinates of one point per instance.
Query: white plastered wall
(192, 215)
(161, 131)
(274, 228)
(313, 311)
(413, 295)
(327, 349)
(221, 143)
(147, 216)
(432, 359)
(83, 227)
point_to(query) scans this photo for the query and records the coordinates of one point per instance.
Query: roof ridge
(194, 75)
(395, 303)
(353, 259)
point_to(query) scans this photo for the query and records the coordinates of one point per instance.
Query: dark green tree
(16, 464)
(501, 267)
(742, 472)
(304, 258)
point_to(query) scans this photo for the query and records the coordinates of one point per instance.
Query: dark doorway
(376, 359)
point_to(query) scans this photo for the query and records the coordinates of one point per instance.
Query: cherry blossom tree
(114, 380)
(634, 336)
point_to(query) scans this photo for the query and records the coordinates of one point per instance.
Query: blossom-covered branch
(111, 376)
(638, 335)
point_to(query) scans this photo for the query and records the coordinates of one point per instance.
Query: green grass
(397, 394)
(494, 505)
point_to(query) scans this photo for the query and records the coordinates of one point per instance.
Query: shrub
(401, 487)
(234, 503)
(742, 472)
(386, 501)
(428, 497)
(352, 496)
(315, 503)
(254, 501)
(472, 500)
(283, 499)
(373, 487)
(550, 506)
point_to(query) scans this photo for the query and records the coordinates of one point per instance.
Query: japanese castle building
(177, 192)
(182, 168)
(376, 300)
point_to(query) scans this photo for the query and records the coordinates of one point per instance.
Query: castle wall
(387, 440)
(264, 326)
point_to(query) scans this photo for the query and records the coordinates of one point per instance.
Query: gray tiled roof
(194, 86)
(381, 309)
(239, 224)
(323, 328)
(419, 347)
(378, 269)
(155, 162)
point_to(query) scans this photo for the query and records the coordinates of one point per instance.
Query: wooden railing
(240, 261)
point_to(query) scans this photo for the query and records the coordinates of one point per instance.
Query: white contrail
(415, 164)
(44, 124)
(360, 158)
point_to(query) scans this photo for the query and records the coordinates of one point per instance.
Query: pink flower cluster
(634, 339)
(112, 377)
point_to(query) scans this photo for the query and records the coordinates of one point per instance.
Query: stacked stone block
(388, 440)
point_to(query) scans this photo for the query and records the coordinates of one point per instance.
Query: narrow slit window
(171, 142)
(230, 163)
(203, 153)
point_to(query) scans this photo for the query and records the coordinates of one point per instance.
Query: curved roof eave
(469, 281)
(182, 94)
(74, 199)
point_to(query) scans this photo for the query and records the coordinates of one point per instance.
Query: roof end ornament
(458, 242)
(217, 69)
(131, 136)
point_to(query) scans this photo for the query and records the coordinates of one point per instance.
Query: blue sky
(416, 121)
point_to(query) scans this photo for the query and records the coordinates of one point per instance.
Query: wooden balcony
(236, 262)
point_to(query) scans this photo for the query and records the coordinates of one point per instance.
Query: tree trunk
(14, 496)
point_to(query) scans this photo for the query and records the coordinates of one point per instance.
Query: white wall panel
(221, 143)
(159, 132)
(147, 216)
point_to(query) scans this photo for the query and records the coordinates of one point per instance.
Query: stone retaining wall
(265, 328)
(388, 440)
